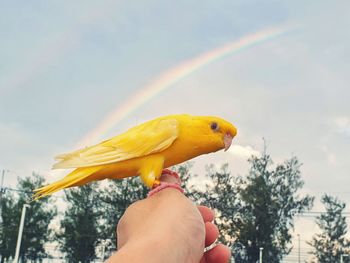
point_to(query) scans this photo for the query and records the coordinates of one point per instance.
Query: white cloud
(243, 151)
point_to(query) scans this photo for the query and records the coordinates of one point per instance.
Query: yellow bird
(144, 150)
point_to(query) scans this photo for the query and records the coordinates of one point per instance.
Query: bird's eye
(214, 126)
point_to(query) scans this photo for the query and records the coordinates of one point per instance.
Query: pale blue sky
(64, 66)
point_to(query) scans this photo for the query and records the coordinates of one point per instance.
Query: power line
(4, 189)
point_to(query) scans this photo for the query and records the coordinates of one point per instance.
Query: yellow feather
(74, 178)
(160, 134)
(143, 150)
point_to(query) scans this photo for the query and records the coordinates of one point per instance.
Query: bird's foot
(169, 179)
(156, 183)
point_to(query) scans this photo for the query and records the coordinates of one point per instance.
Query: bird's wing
(150, 137)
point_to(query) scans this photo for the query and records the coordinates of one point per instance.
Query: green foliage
(38, 217)
(188, 181)
(331, 242)
(36, 226)
(221, 194)
(80, 228)
(254, 211)
(9, 225)
(257, 210)
(270, 201)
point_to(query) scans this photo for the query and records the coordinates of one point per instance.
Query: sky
(66, 66)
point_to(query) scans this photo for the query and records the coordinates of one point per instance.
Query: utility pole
(298, 248)
(260, 254)
(20, 232)
(2, 178)
(2, 183)
(2, 190)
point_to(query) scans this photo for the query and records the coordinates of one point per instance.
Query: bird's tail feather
(75, 178)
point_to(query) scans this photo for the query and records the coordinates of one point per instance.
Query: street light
(20, 232)
(298, 248)
(104, 249)
(260, 254)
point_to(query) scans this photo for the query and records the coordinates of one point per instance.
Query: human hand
(168, 227)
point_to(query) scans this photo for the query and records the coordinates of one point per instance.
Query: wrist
(148, 250)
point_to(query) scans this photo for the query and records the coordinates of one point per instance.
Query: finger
(169, 176)
(211, 233)
(218, 254)
(207, 214)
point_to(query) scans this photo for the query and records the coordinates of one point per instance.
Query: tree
(36, 227)
(38, 217)
(331, 242)
(257, 210)
(269, 203)
(221, 194)
(9, 226)
(80, 228)
(188, 182)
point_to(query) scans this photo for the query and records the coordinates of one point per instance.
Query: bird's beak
(227, 141)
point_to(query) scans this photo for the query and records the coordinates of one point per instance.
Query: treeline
(252, 211)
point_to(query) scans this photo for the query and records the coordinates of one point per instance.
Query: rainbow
(166, 79)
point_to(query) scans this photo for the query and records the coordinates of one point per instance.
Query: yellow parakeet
(144, 150)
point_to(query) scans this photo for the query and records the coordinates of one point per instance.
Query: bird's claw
(156, 184)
